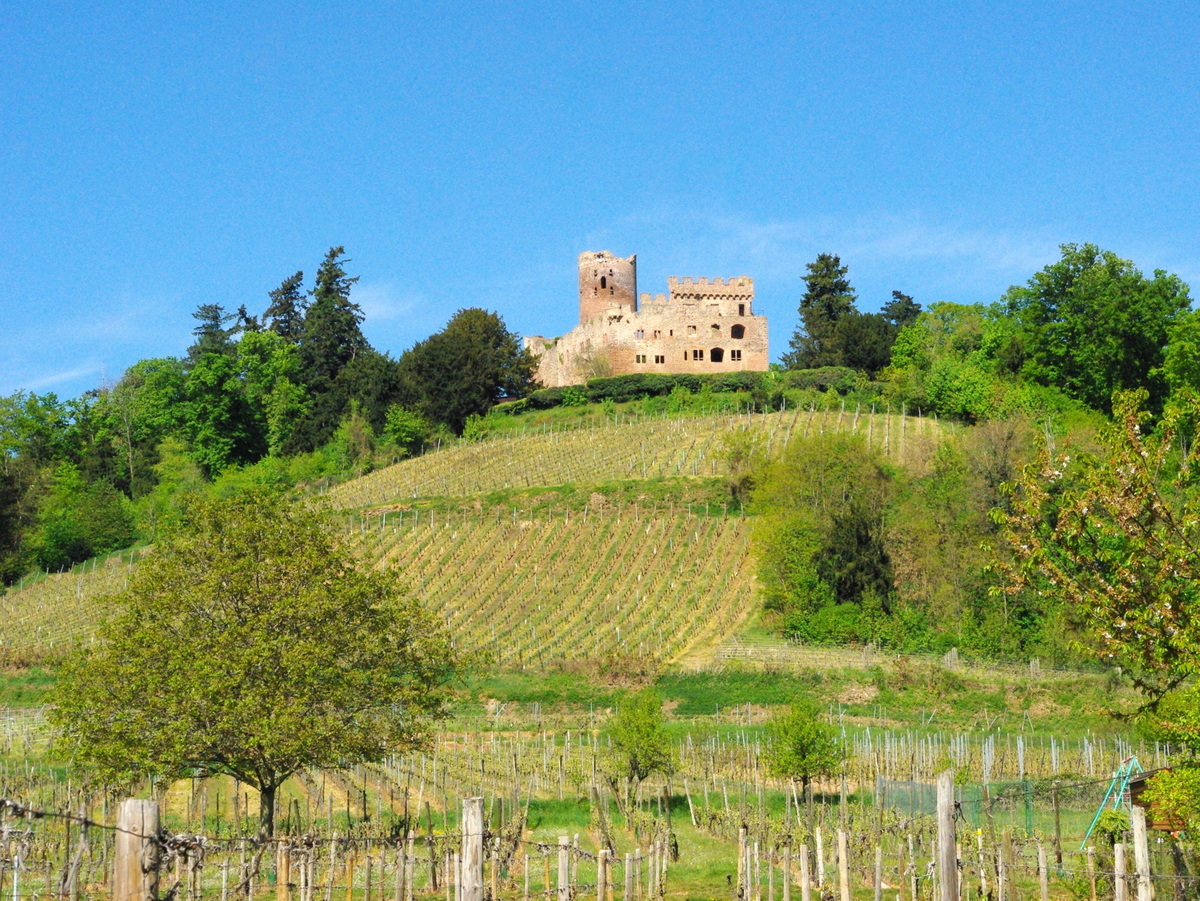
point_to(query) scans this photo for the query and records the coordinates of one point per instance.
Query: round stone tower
(605, 283)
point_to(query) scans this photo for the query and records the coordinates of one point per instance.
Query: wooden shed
(1155, 819)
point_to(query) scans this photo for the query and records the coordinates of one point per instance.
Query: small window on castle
(741, 309)
(593, 292)
(603, 281)
(639, 358)
(671, 333)
(716, 327)
(657, 333)
(639, 334)
(737, 332)
(735, 356)
(612, 290)
(691, 329)
(659, 358)
(717, 355)
(698, 354)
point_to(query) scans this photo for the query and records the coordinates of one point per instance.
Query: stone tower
(607, 285)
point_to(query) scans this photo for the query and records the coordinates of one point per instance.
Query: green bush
(841, 379)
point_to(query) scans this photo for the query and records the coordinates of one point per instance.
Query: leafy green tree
(1092, 324)
(146, 406)
(77, 520)
(467, 368)
(269, 368)
(249, 644)
(827, 299)
(406, 430)
(866, 341)
(801, 747)
(640, 745)
(1116, 538)
(219, 421)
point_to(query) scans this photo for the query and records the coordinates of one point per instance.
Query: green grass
(25, 687)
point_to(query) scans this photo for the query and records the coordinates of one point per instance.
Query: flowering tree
(1115, 538)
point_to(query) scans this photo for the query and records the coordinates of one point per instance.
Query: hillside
(597, 581)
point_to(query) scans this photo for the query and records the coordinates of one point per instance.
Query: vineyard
(626, 447)
(1025, 805)
(590, 586)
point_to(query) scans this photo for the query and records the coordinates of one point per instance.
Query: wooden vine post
(472, 850)
(135, 870)
(947, 856)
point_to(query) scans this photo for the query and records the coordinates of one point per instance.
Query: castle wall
(701, 326)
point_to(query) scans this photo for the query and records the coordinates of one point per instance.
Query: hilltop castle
(702, 325)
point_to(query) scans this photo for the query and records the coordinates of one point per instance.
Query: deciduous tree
(250, 644)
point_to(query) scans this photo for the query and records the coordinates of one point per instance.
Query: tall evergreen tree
(332, 325)
(827, 299)
(285, 314)
(212, 334)
(901, 310)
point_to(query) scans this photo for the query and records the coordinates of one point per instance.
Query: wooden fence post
(844, 866)
(947, 857)
(135, 870)
(1120, 887)
(564, 868)
(805, 881)
(472, 850)
(283, 870)
(602, 875)
(1141, 854)
(1043, 874)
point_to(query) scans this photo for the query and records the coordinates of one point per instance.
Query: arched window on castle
(737, 332)
(604, 281)
(716, 355)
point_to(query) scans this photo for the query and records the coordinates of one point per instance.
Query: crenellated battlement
(742, 281)
(644, 299)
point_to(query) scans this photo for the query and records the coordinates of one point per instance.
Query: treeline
(1081, 329)
(294, 394)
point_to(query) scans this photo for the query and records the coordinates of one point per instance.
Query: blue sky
(158, 156)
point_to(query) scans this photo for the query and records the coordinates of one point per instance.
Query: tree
(639, 741)
(467, 368)
(1115, 540)
(828, 298)
(249, 644)
(1092, 324)
(332, 325)
(901, 310)
(285, 314)
(801, 746)
(212, 335)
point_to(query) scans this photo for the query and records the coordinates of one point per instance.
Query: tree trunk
(266, 810)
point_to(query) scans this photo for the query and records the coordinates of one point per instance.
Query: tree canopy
(801, 746)
(249, 644)
(466, 368)
(1092, 323)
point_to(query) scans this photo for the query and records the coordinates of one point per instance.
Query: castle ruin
(701, 326)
